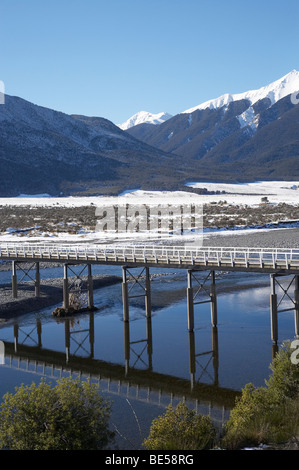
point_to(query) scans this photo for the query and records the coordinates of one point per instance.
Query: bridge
(194, 259)
(166, 256)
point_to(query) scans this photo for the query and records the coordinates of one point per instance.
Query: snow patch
(143, 117)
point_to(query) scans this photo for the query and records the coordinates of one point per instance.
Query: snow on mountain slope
(275, 91)
(145, 117)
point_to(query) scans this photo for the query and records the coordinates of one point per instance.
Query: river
(146, 364)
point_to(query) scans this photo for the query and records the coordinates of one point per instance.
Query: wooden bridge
(184, 257)
(277, 262)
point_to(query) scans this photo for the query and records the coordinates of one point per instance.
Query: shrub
(284, 381)
(71, 416)
(268, 415)
(180, 429)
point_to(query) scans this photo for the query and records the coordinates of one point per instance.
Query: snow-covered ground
(244, 193)
(250, 194)
(135, 196)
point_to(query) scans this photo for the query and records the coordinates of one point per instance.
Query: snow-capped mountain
(275, 91)
(258, 125)
(248, 136)
(144, 117)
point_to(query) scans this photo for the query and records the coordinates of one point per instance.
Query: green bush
(268, 415)
(180, 429)
(70, 416)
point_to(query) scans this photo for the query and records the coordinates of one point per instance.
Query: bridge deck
(273, 260)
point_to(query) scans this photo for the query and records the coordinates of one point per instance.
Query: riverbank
(50, 294)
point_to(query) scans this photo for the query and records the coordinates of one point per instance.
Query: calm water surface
(144, 365)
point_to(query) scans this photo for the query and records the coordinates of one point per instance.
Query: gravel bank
(274, 238)
(50, 294)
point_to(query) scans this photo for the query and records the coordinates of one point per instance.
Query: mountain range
(250, 135)
(236, 137)
(46, 151)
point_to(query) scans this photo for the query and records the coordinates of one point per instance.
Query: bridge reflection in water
(135, 378)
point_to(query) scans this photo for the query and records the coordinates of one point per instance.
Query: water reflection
(129, 347)
(151, 361)
(136, 373)
(212, 356)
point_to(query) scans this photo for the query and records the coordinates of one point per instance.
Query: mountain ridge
(275, 91)
(47, 151)
(219, 132)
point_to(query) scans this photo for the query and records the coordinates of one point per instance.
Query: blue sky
(113, 58)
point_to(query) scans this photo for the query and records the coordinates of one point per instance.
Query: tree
(180, 429)
(70, 416)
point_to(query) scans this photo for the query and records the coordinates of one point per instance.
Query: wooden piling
(65, 288)
(125, 296)
(148, 306)
(296, 301)
(90, 288)
(37, 280)
(273, 311)
(14, 280)
(190, 303)
(213, 300)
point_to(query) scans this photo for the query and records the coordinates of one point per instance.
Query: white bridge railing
(155, 254)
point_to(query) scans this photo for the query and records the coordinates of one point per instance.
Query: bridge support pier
(65, 287)
(75, 287)
(296, 299)
(190, 303)
(37, 280)
(14, 280)
(26, 273)
(275, 303)
(213, 300)
(125, 296)
(201, 287)
(90, 288)
(273, 311)
(144, 282)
